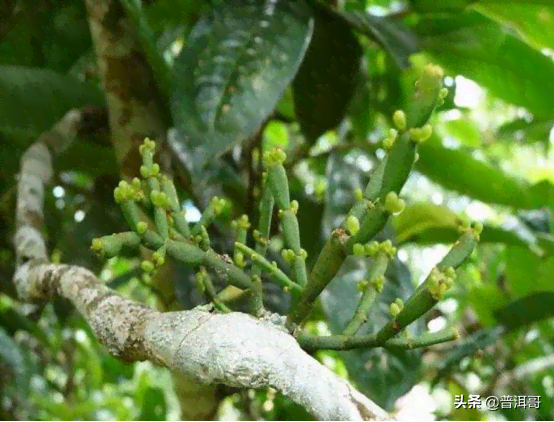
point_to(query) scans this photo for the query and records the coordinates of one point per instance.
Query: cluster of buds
(441, 281)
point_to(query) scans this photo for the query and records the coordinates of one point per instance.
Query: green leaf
(526, 310)
(32, 100)
(534, 22)
(457, 170)
(236, 66)
(419, 217)
(397, 40)
(426, 223)
(521, 130)
(327, 77)
(475, 46)
(526, 272)
(53, 35)
(154, 407)
(464, 131)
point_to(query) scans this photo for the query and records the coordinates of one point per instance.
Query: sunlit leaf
(478, 48)
(237, 63)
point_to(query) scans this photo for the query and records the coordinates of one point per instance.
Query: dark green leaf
(524, 131)
(426, 223)
(457, 170)
(236, 66)
(32, 100)
(328, 75)
(476, 47)
(526, 310)
(396, 40)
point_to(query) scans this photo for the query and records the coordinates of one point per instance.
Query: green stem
(425, 297)
(327, 265)
(311, 343)
(368, 297)
(277, 275)
(264, 226)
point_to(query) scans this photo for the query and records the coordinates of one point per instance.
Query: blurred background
(321, 80)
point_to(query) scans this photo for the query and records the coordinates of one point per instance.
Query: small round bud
(388, 143)
(142, 226)
(372, 248)
(358, 249)
(362, 285)
(294, 206)
(239, 259)
(393, 204)
(288, 255)
(394, 309)
(144, 172)
(97, 245)
(147, 266)
(358, 194)
(399, 119)
(352, 224)
(155, 169)
(378, 283)
(399, 302)
(426, 132)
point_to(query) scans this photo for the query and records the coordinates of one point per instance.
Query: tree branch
(234, 349)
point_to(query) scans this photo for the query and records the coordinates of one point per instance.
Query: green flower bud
(294, 206)
(362, 285)
(358, 249)
(288, 255)
(142, 227)
(477, 228)
(378, 283)
(394, 309)
(147, 266)
(352, 224)
(155, 170)
(135, 183)
(144, 172)
(97, 245)
(147, 146)
(400, 303)
(393, 204)
(426, 132)
(358, 194)
(399, 119)
(239, 259)
(388, 143)
(372, 248)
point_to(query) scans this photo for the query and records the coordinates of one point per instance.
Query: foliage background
(491, 158)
